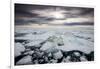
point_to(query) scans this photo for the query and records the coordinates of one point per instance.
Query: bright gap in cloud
(51, 13)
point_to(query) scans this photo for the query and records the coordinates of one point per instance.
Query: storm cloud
(27, 14)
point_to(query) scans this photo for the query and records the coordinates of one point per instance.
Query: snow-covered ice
(54, 40)
(74, 39)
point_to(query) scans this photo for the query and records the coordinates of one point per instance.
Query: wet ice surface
(53, 45)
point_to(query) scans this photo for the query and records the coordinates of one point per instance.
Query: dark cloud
(84, 23)
(38, 20)
(88, 11)
(25, 14)
(23, 22)
(22, 11)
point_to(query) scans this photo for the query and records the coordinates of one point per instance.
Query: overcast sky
(33, 15)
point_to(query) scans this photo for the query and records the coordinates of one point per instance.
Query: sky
(32, 15)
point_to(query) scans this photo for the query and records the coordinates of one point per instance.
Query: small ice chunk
(67, 59)
(83, 58)
(53, 61)
(49, 55)
(29, 53)
(77, 54)
(58, 55)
